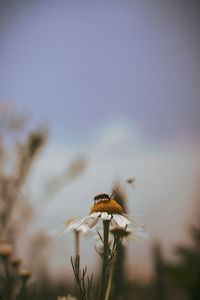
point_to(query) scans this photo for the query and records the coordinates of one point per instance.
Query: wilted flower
(135, 233)
(25, 274)
(5, 249)
(131, 233)
(15, 261)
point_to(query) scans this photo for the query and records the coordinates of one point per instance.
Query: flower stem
(110, 279)
(106, 224)
(77, 253)
(77, 242)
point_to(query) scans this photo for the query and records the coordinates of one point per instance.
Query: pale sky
(78, 64)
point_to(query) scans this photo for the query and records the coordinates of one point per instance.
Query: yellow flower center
(109, 206)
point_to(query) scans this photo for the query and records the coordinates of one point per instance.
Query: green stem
(106, 224)
(110, 279)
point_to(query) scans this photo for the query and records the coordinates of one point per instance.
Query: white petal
(109, 216)
(78, 220)
(120, 220)
(76, 224)
(112, 223)
(134, 223)
(95, 214)
(83, 229)
(94, 222)
(128, 216)
(58, 231)
(105, 216)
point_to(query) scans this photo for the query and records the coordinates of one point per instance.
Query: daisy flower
(134, 234)
(104, 208)
(70, 225)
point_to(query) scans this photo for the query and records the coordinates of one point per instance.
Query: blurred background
(93, 93)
